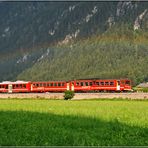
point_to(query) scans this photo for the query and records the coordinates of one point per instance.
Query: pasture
(73, 123)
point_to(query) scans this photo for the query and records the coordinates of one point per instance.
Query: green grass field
(74, 123)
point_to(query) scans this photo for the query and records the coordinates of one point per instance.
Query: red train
(94, 85)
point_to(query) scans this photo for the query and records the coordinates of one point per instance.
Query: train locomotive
(86, 85)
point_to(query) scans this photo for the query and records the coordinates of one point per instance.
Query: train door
(118, 85)
(72, 86)
(10, 88)
(68, 86)
(31, 87)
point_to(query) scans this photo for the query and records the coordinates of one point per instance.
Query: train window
(77, 84)
(24, 85)
(37, 85)
(44, 84)
(127, 82)
(102, 83)
(6, 86)
(122, 82)
(59, 84)
(82, 84)
(86, 83)
(106, 83)
(16, 85)
(40, 85)
(63, 84)
(20, 85)
(55, 84)
(51, 84)
(90, 83)
(111, 83)
(97, 83)
(0, 86)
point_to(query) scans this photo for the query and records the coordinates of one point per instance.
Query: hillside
(96, 57)
(68, 40)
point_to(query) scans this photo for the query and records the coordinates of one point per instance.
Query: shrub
(68, 94)
(140, 89)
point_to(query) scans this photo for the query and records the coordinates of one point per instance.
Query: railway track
(78, 96)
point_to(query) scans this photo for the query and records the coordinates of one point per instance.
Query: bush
(68, 94)
(141, 89)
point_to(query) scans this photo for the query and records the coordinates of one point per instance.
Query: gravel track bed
(77, 96)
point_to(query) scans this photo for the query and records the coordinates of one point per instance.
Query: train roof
(16, 82)
(103, 79)
(46, 81)
(86, 79)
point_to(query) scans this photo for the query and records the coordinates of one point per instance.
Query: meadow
(73, 123)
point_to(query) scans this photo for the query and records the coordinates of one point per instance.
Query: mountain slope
(96, 57)
(28, 24)
(60, 40)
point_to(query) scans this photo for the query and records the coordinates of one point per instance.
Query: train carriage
(20, 86)
(50, 86)
(81, 85)
(106, 85)
(4, 86)
(112, 85)
(125, 85)
(100, 85)
(15, 87)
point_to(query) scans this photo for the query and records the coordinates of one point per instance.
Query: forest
(111, 55)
